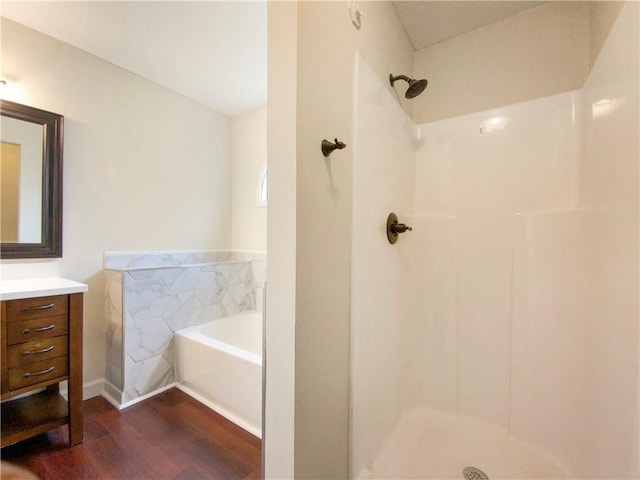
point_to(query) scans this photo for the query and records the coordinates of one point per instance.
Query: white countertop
(39, 287)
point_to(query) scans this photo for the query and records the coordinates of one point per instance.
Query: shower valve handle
(401, 228)
(394, 228)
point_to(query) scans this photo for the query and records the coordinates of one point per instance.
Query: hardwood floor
(170, 436)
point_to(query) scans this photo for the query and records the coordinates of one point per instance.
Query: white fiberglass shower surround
(502, 332)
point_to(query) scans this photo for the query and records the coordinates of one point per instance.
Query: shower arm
(399, 77)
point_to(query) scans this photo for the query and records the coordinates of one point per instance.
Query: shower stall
(500, 337)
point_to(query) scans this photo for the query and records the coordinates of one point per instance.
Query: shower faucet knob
(394, 228)
(401, 228)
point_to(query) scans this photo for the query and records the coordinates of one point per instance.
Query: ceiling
(427, 23)
(214, 52)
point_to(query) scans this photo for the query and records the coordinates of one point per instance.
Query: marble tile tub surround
(146, 259)
(150, 295)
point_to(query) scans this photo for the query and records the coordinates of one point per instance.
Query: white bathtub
(220, 364)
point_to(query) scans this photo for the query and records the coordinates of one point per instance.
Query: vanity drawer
(37, 372)
(37, 329)
(38, 307)
(37, 350)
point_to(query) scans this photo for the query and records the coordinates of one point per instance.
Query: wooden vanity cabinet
(41, 346)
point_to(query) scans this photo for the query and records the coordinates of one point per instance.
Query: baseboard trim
(146, 395)
(108, 393)
(114, 395)
(91, 389)
(241, 422)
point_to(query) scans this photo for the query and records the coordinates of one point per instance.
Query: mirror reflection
(21, 171)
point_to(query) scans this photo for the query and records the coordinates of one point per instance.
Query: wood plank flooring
(169, 436)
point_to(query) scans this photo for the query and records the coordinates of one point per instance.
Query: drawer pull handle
(34, 374)
(39, 307)
(33, 352)
(36, 330)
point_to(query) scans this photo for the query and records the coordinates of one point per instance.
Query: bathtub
(220, 364)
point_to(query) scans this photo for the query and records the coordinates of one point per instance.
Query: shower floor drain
(473, 473)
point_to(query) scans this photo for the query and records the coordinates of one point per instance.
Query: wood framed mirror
(31, 182)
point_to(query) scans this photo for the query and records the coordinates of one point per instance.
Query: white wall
(515, 299)
(602, 16)
(249, 155)
(609, 187)
(383, 182)
(542, 338)
(608, 174)
(144, 168)
(280, 324)
(585, 387)
(538, 52)
(327, 43)
(481, 178)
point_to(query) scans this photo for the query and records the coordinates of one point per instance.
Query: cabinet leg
(76, 434)
(76, 429)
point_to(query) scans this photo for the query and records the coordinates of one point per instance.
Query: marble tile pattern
(113, 313)
(130, 260)
(151, 295)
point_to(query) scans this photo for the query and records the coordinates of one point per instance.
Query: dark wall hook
(328, 147)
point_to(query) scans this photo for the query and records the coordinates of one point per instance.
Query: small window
(263, 183)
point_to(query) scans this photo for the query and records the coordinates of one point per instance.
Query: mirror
(30, 182)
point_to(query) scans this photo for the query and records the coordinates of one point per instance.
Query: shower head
(416, 87)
